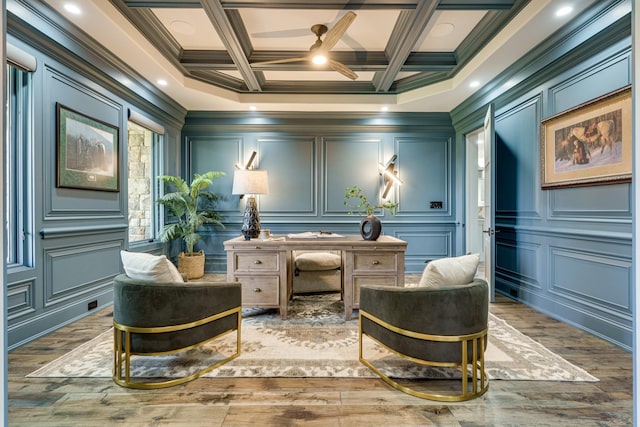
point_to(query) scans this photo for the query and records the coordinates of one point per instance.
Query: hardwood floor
(323, 402)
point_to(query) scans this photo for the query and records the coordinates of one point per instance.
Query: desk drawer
(259, 291)
(374, 261)
(370, 280)
(256, 261)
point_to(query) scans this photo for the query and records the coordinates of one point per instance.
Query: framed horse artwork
(588, 145)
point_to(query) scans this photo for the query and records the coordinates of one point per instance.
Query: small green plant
(363, 205)
(192, 205)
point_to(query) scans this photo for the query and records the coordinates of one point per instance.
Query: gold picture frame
(590, 144)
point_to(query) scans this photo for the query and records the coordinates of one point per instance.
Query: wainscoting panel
(350, 161)
(517, 142)
(217, 153)
(521, 261)
(74, 270)
(600, 201)
(424, 166)
(591, 82)
(68, 202)
(20, 299)
(592, 277)
(425, 246)
(283, 158)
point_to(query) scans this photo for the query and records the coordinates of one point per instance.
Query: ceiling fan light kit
(319, 59)
(319, 51)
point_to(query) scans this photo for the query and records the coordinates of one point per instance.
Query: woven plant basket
(191, 265)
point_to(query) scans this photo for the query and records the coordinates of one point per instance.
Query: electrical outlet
(93, 304)
(435, 205)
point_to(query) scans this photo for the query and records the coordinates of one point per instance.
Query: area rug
(315, 341)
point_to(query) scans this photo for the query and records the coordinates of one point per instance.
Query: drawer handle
(257, 290)
(375, 262)
(257, 261)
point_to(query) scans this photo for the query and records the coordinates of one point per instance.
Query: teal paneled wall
(351, 161)
(565, 252)
(309, 172)
(77, 234)
(517, 136)
(427, 163)
(284, 158)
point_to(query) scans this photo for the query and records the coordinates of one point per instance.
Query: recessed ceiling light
(474, 83)
(182, 27)
(384, 108)
(443, 29)
(252, 108)
(72, 8)
(162, 82)
(563, 11)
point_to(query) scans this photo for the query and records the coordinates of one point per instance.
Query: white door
(474, 219)
(489, 233)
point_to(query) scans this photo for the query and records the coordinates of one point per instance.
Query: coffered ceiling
(407, 55)
(393, 46)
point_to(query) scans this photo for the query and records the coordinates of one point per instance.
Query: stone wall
(139, 186)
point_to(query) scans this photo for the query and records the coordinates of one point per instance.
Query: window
(143, 154)
(18, 169)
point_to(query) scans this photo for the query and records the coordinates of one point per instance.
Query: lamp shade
(250, 181)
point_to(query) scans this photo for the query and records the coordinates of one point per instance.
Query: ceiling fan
(319, 51)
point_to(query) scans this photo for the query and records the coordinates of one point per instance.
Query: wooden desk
(264, 267)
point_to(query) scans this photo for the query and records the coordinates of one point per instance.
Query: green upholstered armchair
(443, 325)
(154, 318)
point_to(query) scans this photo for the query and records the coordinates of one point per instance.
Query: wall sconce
(248, 165)
(251, 182)
(389, 174)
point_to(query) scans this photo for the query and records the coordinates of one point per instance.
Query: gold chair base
(122, 352)
(470, 390)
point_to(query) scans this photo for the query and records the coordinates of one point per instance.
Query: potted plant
(370, 226)
(192, 206)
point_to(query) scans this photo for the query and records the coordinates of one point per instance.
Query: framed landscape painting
(87, 152)
(588, 145)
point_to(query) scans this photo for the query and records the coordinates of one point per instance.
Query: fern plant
(192, 206)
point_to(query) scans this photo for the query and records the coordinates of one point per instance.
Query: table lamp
(250, 182)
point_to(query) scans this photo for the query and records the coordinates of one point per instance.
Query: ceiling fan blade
(281, 61)
(335, 33)
(342, 69)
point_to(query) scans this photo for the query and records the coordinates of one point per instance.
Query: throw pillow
(143, 266)
(450, 271)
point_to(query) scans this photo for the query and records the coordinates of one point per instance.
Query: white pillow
(143, 266)
(450, 271)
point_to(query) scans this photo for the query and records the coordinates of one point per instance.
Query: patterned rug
(315, 341)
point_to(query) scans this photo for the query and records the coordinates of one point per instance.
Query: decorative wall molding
(599, 280)
(284, 157)
(93, 265)
(37, 24)
(62, 232)
(20, 299)
(590, 83)
(520, 261)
